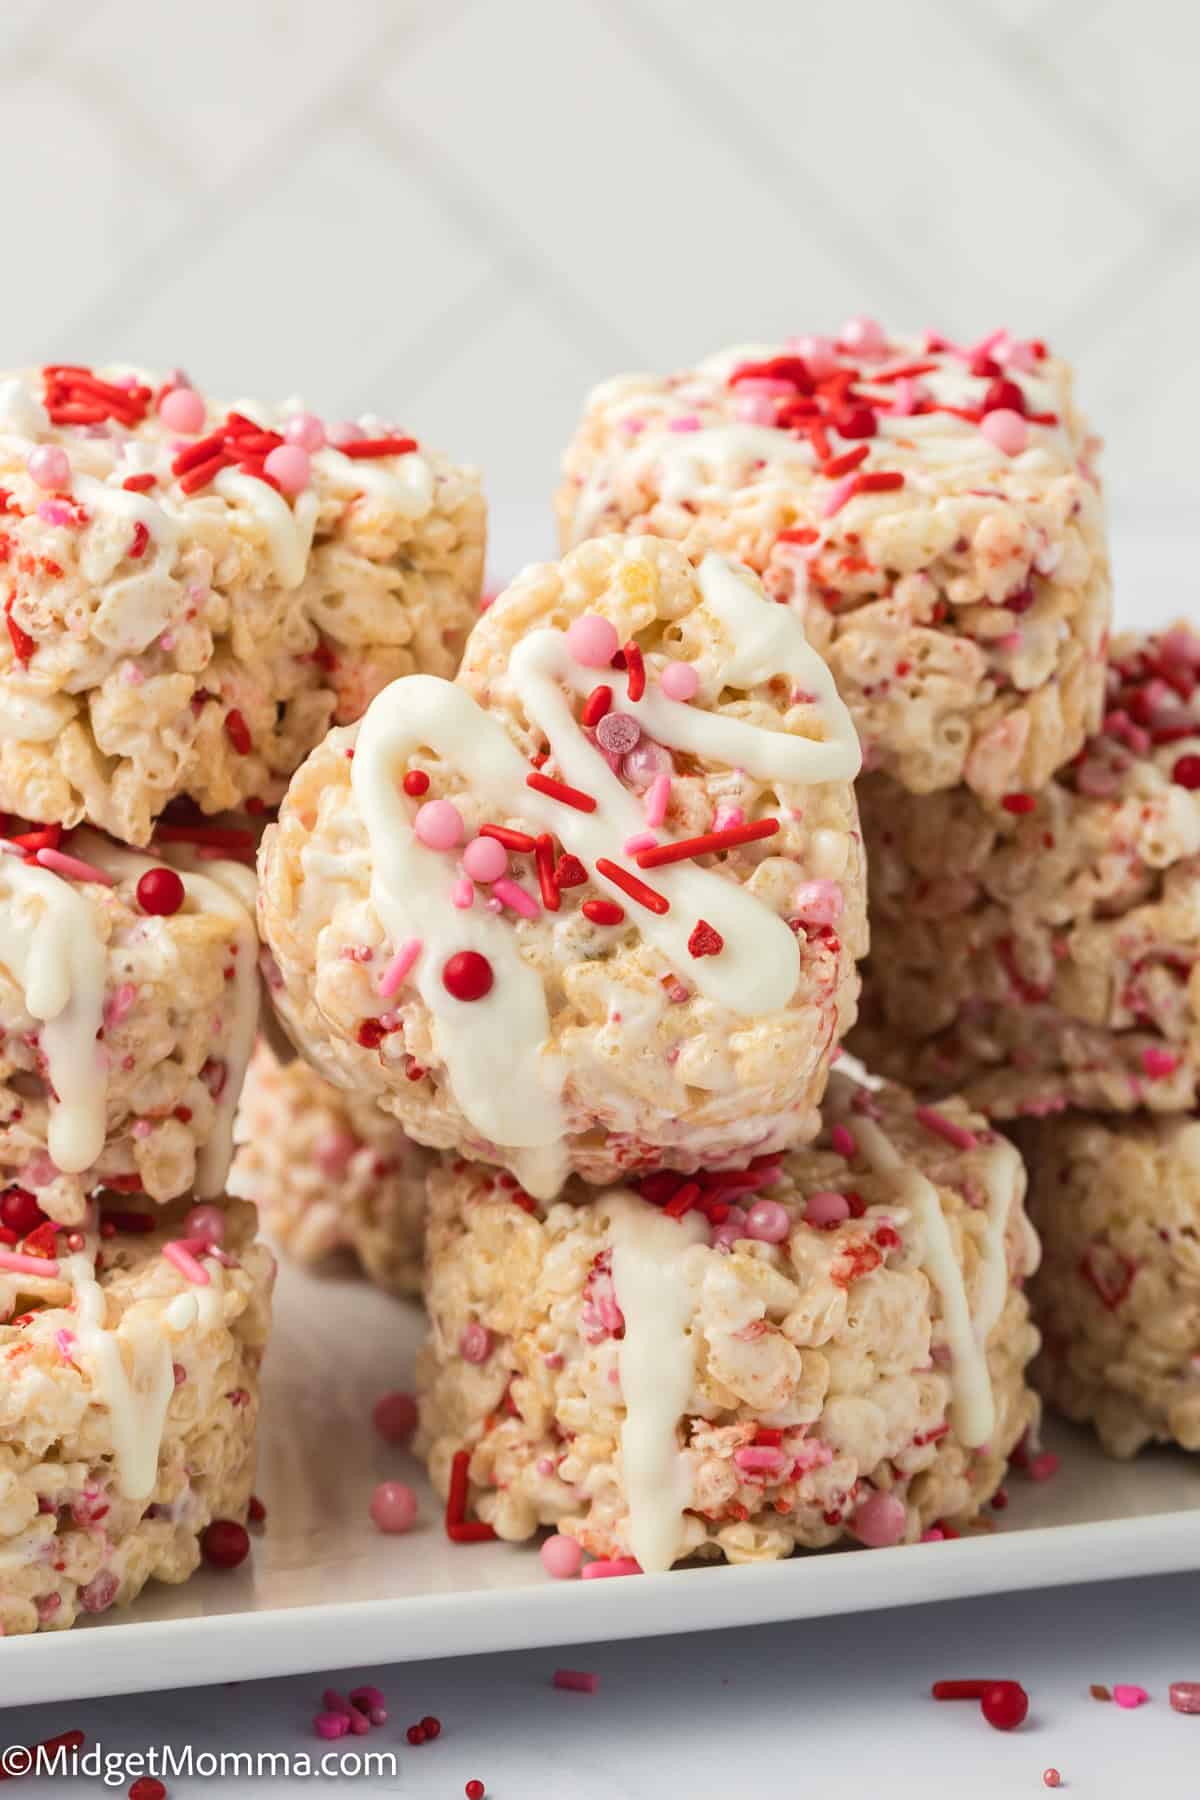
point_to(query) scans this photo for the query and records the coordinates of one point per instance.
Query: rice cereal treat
(1044, 953)
(594, 906)
(130, 1351)
(930, 511)
(329, 1172)
(830, 1345)
(194, 593)
(1117, 1203)
(129, 998)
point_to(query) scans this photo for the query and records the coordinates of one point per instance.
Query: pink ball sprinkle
(879, 1521)
(394, 1506)
(864, 337)
(205, 1221)
(485, 859)
(331, 1725)
(1127, 1695)
(618, 733)
(290, 467)
(1185, 1696)
(394, 1416)
(50, 467)
(819, 902)
(439, 825)
(826, 1208)
(346, 431)
(475, 1344)
(306, 430)
(1006, 429)
(818, 354)
(561, 1557)
(679, 681)
(1044, 1466)
(755, 409)
(1158, 1063)
(768, 1221)
(182, 410)
(592, 641)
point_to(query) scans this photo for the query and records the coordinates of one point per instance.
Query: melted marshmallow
(495, 1048)
(972, 1403)
(132, 1375)
(657, 1363)
(403, 483)
(51, 947)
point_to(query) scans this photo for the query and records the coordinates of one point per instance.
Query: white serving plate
(323, 1589)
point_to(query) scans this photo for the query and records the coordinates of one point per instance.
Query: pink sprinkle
(1157, 1062)
(819, 902)
(768, 1222)
(288, 464)
(592, 641)
(641, 840)
(1127, 1695)
(1043, 1467)
(760, 1459)
(331, 1725)
(393, 1507)
(839, 493)
(369, 1698)
(826, 1208)
(933, 1536)
(1005, 429)
(334, 1702)
(512, 894)
(485, 859)
(131, 675)
(475, 1344)
(658, 797)
(142, 1128)
(879, 1521)
(182, 410)
(394, 975)
(907, 392)
(462, 894)
(73, 868)
(818, 354)
(66, 1343)
(177, 1252)
(578, 1681)
(56, 512)
(726, 817)
(605, 1568)
(686, 422)
(49, 466)
(305, 429)
(205, 1221)
(561, 1557)
(752, 408)
(346, 431)
(1185, 1696)
(844, 1141)
(863, 337)
(439, 825)
(940, 1126)
(17, 1264)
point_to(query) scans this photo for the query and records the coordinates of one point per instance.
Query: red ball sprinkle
(431, 1726)
(467, 975)
(147, 1787)
(394, 1416)
(225, 1544)
(1005, 1706)
(474, 1790)
(20, 1211)
(1051, 1778)
(416, 783)
(1187, 772)
(257, 1511)
(415, 1735)
(160, 892)
(1004, 396)
(371, 1033)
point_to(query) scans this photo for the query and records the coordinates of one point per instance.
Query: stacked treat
(585, 920)
(191, 595)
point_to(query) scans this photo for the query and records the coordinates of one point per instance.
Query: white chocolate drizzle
(495, 1048)
(657, 1365)
(137, 1397)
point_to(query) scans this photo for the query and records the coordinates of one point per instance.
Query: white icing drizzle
(403, 483)
(495, 1048)
(657, 1365)
(972, 1402)
(288, 529)
(50, 945)
(137, 1398)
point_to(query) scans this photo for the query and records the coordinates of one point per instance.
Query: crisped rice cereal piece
(842, 1356)
(191, 600)
(930, 511)
(1117, 1204)
(128, 1404)
(1045, 953)
(329, 1172)
(129, 998)
(652, 958)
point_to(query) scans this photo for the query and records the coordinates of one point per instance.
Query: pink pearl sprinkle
(205, 1221)
(331, 1725)
(819, 354)
(1006, 429)
(679, 681)
(475, 1344)
(182, 410)
(394, 1416)
(346, 431)
(393, 1506)
(290, 467)
(485, 860)
(49, 466)
(819, 902)
(439, 825)
(826, 1208)
(864, 337)
(592, 641)
(768, 1221)
(843, 1141)
(1044, 1466)
(306, 430)
(1128, 1695)
(754, 409)
(561, 1557)
(879, 1521)
(1158, 1063)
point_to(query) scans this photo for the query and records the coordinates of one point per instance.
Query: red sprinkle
(1019, 803)
(705, 940)
(544, 863)
(961, 1690)
(371, 1033)
(147, 1787)
(1051, 1778)
(569, 871)
(140, 484)
(576, 1681)
(850, 459)
(20, 1211)
(515, 840)
(225, 1543)
(384, 446)
(467, 975)
(160, 892)
(558, 790)
(475, 1790)
(603, 912)
(878, 481)
(800, 534)
(596, 705)
(706, 845)
(1186, 771)
(629, 884)
(415, 783)
(458, 1530)
(1006, 1705)
(24, 646)
(141, 537)
(635, 670)
(257, 1512)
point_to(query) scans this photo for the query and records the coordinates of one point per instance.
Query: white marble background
(464, 212)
